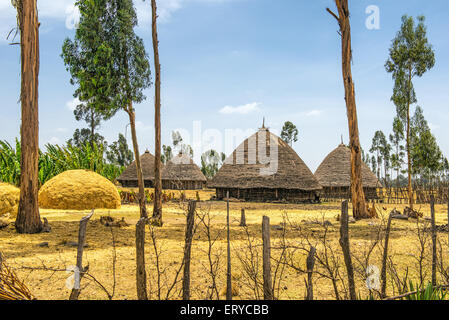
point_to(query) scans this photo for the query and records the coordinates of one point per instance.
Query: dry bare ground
(294, 228)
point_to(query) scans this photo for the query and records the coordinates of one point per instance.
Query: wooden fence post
(310, 264)
(243, 219)
(79, 257)
(434, 241)
(188, 249)
(267, 284)
(229, 272)
(344, 243)
(383, 274)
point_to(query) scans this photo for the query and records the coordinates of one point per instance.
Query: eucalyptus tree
(28, 217)
(397, 158)
(108, 62)
(357, 194)
(289, 133)
(411, 55)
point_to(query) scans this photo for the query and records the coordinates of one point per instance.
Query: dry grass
(26, 257)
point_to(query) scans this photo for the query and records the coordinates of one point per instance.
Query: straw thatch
(129, 177)
(241, 175)
(181, 173)
(334, 174)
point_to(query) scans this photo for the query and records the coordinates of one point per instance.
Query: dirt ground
(43, 267)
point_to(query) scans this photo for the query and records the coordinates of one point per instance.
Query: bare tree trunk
(358, 196)
(157, 211)
(434, 241)
(187, 250)
(267, 282)
(383, 274)
(141, 281)
(141, 274)
(28, 217)
(229, 272)
(74, 295)
(344, 243)
(409, 161)
(140, 182)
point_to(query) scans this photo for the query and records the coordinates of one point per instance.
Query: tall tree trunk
(141, 279)
(157, 210)
(409, 160)
(358, 196)
(140, 182)
(28, 218)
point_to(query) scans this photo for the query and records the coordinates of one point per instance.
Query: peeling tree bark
(28, 217)
(358, 196)
(157, 211)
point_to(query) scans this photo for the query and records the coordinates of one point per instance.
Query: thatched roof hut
(181, 173)
(334, 174)
(129, 177)
(251, 176)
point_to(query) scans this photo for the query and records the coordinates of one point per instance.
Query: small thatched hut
(334, 174)
(181, 173)
(128, 178)
(276, 174)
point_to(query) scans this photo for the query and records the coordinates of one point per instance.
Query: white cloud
(142, 127)
(433, 126)
(60, 130)
(243, 109)
(71, 105)
(314, 113)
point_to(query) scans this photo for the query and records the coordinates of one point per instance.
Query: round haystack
(335, 170)
(79, 190)
(9, 199)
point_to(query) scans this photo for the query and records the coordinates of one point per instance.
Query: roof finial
(342, 139)
(263, 124)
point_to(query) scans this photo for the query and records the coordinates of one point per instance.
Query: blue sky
(229, 63)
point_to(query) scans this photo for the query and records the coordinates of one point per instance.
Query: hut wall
(267, 195)
(345, 193)
(183, 185)
(134, 183)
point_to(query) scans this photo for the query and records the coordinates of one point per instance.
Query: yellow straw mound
(9, 199)
(79, 190)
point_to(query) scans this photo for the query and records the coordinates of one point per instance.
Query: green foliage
(410, 55)
(429, 293)
(81, 137)
(107, 60)
(289, 133)
(382, 149)
(119, 152)
(56, 160)
(211, 161)
(426, 156)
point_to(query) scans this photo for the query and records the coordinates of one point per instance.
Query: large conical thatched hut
(266, 171)
(181, 173)
(128, 178)
(334, 174)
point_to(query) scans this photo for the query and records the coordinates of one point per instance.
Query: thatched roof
(147, 163)
(335, 170)
(241, 172)
(182, 168)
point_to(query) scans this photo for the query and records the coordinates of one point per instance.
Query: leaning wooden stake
(267, 284)
(74, 295)
(383, 274)
(187, 250)
(344, 243)
(141, 275)
(228, 274)
(310, 264)
(243, 219)
(434, 241)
